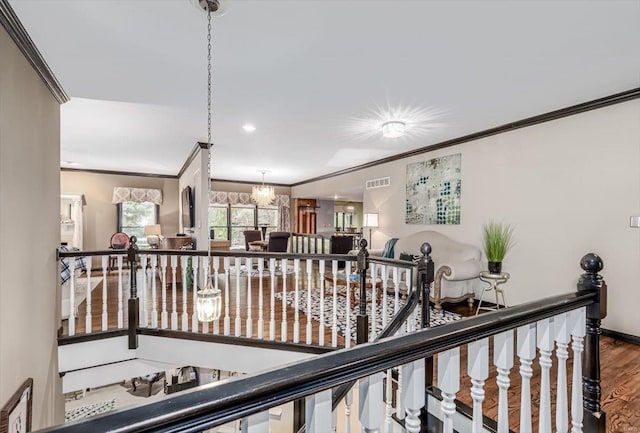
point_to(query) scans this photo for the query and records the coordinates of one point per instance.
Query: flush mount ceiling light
(263, 195)
(395, 122)
(248, 128)
(393, 129)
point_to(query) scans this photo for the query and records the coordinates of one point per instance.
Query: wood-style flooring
(620, 361)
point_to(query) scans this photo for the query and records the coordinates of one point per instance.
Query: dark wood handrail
(222, 402)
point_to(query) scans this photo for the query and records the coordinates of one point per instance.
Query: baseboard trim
(627, 338)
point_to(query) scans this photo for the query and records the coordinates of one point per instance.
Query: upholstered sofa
(457, 265)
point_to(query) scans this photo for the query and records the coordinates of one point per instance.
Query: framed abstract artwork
(15, 415)
(433, 191)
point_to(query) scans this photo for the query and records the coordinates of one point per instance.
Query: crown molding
(118, 173)
(17, 32)
(530, 121)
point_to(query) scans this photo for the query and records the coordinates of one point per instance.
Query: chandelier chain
(208, 128)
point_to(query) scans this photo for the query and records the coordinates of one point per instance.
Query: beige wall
(100, 218)
(29, 235)
(569, 186)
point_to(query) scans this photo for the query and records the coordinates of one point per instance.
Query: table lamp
(153, 233)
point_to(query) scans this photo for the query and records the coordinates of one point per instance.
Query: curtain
(282, 201)
(76, 216)
(138, 195)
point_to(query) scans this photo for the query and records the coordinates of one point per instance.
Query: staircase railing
(554, 321)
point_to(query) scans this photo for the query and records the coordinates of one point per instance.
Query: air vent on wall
(378, 183)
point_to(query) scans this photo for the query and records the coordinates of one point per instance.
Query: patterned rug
(341, 310)
(89, 410)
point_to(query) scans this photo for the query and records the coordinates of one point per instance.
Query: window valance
(137, 195)
(225, 197)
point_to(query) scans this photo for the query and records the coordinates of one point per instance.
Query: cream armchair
(457, 265)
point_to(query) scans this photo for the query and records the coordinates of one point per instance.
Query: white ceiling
(304, 71)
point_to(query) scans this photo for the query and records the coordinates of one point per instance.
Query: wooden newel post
(591, 281)
(425, 278)
(134, 301)
(362, 328)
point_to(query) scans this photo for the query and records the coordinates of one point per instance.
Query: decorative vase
(495, 267)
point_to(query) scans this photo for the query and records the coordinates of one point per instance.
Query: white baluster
(370, 402)
(449, 383)
(227, 282)
(348, 401)
(385, 313)
(216, 266)
(413, 394)
(309, 333)
(545, 345)
(249, 321)
(296, 301)
(399, 403)
(322, 288)
(154, 295)
(204, 275)
(503, 360)
(478, 371)
(347, 340)
(526, 353)
(120, 304)
(72, 296)
(194, 290)
(284, 327)
(185, 315)
(164, 316)
(105, 319)
(88, 317)
(174, 301)
(256, 423)
(318, 412)
(142, 293)
(272, 310)
(260, 298)
(388, 420)
(578, 332)
(563, 335)
(396, 290)
(334, 322)
(238, 321)
(372, 325)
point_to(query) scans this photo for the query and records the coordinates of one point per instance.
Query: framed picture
(15, 416)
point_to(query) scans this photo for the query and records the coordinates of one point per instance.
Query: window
(219, 221)
(229, 222)
(242, 218)
(132, 217)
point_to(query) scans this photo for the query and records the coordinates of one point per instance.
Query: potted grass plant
(497, 239)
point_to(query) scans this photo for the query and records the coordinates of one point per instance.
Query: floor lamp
(371, 221)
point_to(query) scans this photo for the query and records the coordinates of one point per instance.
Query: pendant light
(209, 299)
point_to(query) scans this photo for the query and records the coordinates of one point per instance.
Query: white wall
(195, 176)
(29, 235)
(569, 186)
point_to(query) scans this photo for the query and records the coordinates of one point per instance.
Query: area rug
(435, 318)
(89, 410)
(80, 292)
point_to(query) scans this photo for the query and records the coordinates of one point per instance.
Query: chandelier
(209, 299)
(263, 195)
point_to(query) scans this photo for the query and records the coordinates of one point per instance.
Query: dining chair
(278, 242)
(250, 236)
(119, 241)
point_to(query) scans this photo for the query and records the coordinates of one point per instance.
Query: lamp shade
(370, 219)
(153, 229)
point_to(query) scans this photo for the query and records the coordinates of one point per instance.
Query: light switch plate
(634, 221)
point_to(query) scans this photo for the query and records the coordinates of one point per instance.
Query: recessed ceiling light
(248, 127)
(393, 129)
(69, 163)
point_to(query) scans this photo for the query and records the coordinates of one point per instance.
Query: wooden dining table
(262, 245)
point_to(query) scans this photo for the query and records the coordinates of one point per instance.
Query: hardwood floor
(620, 381)
(620, 361)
